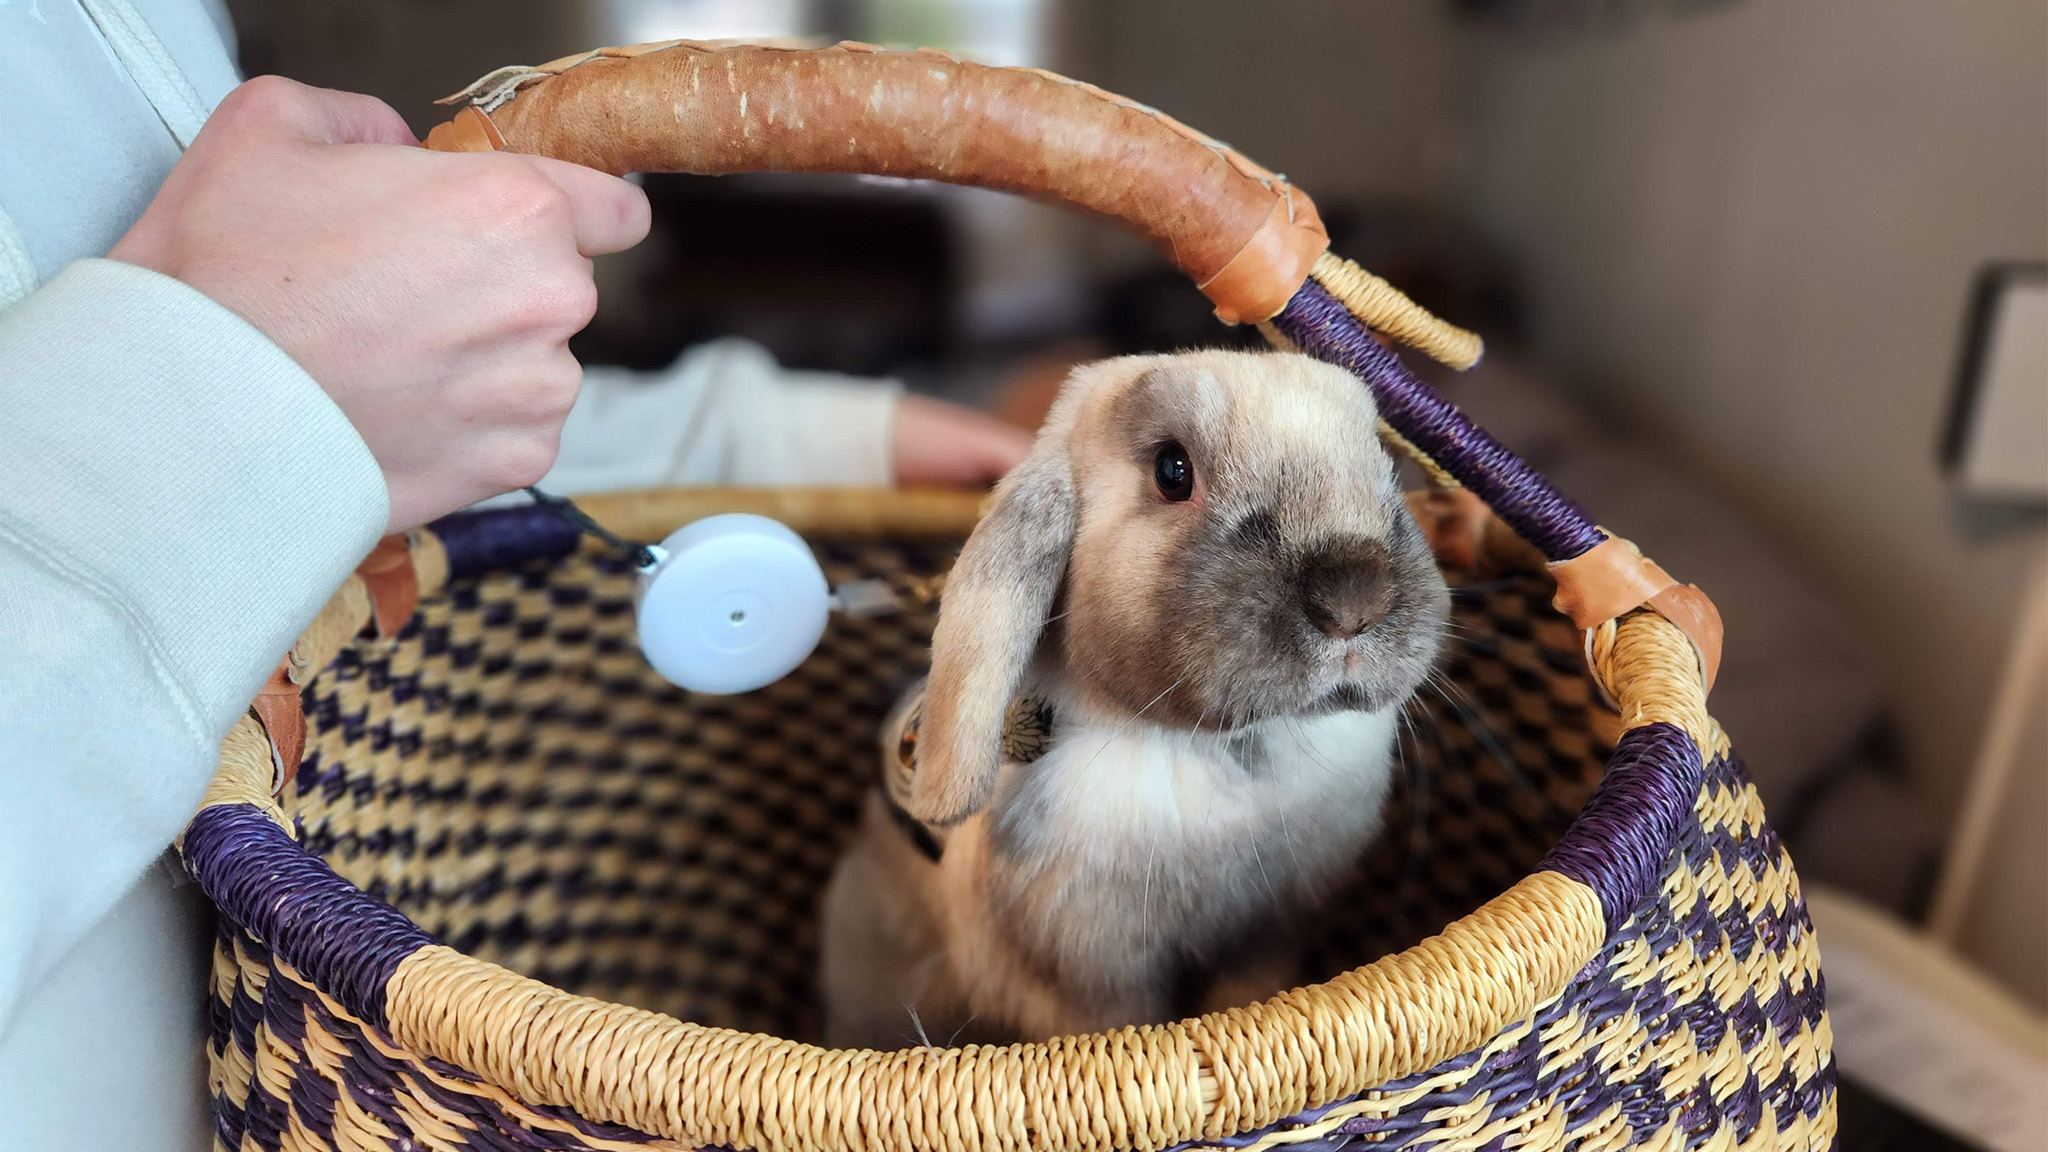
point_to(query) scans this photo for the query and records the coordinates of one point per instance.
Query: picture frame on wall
(1995, 444)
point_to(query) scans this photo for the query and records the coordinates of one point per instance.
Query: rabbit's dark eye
(1172, 472)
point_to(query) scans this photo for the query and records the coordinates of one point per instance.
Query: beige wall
(1347, 99)
(1343, 97)
(1754, 231)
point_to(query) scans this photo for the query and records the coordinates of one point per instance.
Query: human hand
(937, 443)
(432, 295)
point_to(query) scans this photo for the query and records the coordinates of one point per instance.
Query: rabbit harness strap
(1027, 732)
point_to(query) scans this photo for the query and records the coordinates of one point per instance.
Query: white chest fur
(1128, 848)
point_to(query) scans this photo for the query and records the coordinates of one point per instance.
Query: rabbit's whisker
(1417, 775)
(1196, 732)
(1301, 741)
(917, 1023)
(1473, 714)
(1287, 838)
(962, 1028)
(1121, 728)
(1145, 904)
(1272, 893)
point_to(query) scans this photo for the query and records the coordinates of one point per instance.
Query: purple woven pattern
(1666, 1039)
(1617, 847)
(1321, 326)
(370, 1094)
(479, 542)
(345, 941)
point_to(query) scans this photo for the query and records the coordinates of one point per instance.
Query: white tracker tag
(730, 604)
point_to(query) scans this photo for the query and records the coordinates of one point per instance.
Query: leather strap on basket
(1243, 234)
(1611, 579)
(1614, 577)
(392, 582)
(278, 709)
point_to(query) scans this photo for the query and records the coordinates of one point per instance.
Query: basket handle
(1244, 235)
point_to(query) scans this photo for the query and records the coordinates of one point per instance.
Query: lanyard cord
(643, 557)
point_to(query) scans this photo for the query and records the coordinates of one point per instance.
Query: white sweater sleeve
(725, 413)
(177, 500)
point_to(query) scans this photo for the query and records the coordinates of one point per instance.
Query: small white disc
(737, 602)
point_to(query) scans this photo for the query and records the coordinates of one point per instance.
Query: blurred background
(1762, 283)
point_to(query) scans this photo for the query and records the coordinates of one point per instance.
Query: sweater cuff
(823, 431)
(162, 448)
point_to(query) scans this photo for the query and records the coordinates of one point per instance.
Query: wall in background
(407, 54)
(1753, 231)
(1348, 100)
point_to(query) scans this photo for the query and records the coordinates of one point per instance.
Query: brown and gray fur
(1226, 673)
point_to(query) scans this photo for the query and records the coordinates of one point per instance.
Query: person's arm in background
(316, 333)
(726, 413)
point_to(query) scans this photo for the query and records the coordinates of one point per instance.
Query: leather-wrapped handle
(1244, 235)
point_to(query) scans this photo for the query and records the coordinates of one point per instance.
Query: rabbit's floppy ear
(992, 613)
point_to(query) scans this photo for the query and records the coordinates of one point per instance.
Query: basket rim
(1220, 1074)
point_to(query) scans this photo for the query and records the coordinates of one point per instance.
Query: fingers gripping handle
(1243, 234)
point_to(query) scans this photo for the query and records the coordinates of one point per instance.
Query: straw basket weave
(522, 894)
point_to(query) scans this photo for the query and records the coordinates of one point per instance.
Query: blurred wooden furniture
(2012, 742)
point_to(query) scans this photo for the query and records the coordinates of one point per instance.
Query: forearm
(177, 500)
(726, 413)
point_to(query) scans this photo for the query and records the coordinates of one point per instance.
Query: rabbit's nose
(1346, 589)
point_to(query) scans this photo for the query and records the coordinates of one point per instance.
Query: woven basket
(522, 894)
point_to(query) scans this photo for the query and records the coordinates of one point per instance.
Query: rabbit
(1204, 573)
